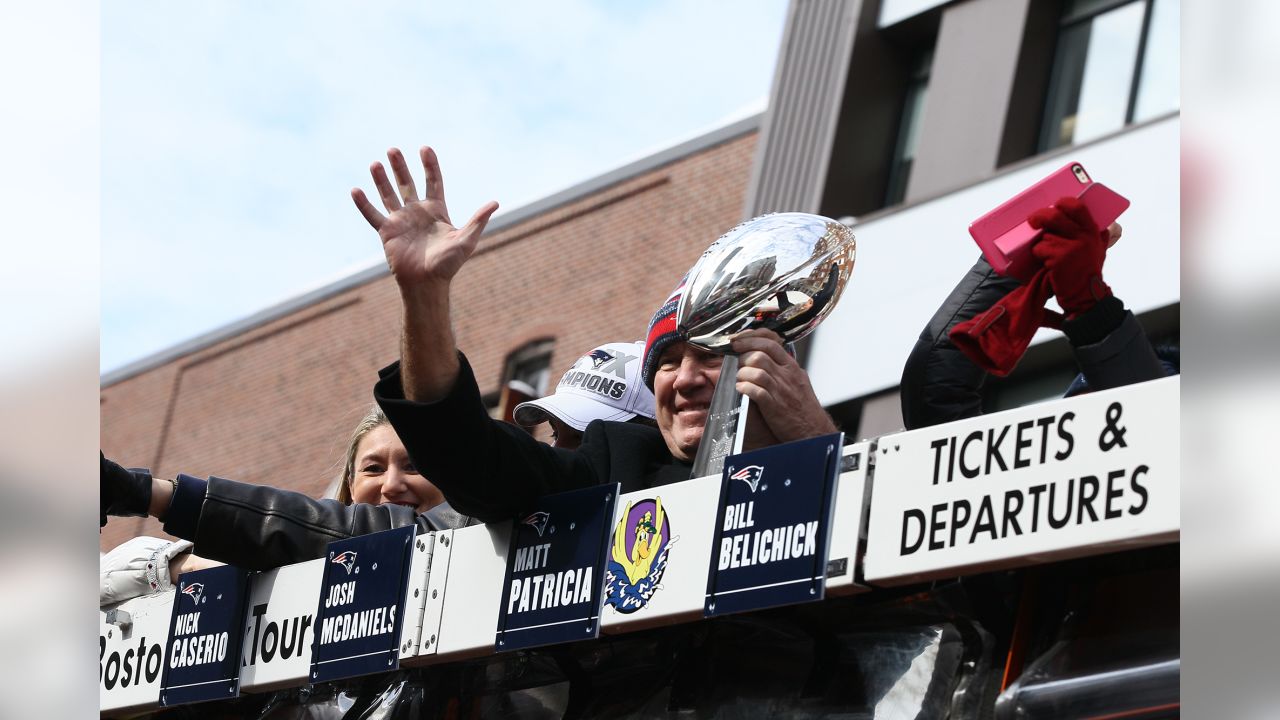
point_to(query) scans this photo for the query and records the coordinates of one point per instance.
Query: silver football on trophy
(783, 272)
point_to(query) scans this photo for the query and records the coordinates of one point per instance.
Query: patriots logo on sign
(750, 475)
(194, 591)
(347, 559)
(538, 521)
(599, 357)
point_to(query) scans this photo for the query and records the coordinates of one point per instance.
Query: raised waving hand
(419, 239)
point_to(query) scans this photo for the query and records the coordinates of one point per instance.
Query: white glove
(137, 567)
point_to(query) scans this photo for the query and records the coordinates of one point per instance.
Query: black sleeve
(487, 469)
(183, 515)
(1111, 346)
(940, 384)
(259, 527)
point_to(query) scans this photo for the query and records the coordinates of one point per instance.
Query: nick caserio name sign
(203, 661)
(1056, 479)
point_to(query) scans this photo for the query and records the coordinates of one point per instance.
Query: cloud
(233, 131)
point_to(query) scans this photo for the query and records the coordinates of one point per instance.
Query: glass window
(1102, 47)
(904, 151)
(531, 365)
(525, 376)
(1158, 91)
(1103, 102)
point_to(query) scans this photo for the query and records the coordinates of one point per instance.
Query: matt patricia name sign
(555, 569)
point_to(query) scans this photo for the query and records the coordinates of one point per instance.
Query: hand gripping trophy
(782, 272)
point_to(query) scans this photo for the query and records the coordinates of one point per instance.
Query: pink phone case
(1004, 235)
(1105, 204)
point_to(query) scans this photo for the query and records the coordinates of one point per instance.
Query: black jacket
(489, 471)
(940, 384)
(495, 471)
(258, 527)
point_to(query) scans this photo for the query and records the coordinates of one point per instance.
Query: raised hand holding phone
(1071, 250)
(1006, 236)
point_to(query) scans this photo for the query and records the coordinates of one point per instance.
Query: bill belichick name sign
(203, 662)
(555, 570)
(1053, 480)
(358, 622)
(772, 526)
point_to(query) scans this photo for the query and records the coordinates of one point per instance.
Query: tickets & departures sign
(1053, 480)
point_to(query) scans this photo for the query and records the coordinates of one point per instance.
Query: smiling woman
(378, 469)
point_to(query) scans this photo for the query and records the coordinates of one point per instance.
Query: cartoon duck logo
(641, 543)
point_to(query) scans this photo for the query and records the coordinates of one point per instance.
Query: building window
(525, 376)
(531, 365)
(1116, 63)
(904, 151)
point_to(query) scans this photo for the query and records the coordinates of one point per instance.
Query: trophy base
(726, 424)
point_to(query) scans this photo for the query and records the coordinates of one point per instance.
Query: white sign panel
(131, 652)
(416, 594)
(433, 596)
(279, 626)
(656, 567)
(847, 528)
(472, 593)
(1066, 478)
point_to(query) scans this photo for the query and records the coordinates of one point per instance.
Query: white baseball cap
(604, 384)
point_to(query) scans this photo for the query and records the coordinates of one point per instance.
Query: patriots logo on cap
(599, 357)
(538, 521)
(346, 558)
(750, 475)
(194, 591)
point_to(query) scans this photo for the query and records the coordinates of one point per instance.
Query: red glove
(1072, 250)
(996, 339)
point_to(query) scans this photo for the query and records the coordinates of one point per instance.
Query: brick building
(272, 399)
(906, 118)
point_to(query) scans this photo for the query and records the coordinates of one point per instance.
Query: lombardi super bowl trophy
(782, 272)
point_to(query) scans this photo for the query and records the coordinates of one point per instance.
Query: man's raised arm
(424, 251)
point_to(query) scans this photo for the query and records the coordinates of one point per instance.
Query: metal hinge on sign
(433, 610)
(850, 462)
(120, 618)
(420, 567)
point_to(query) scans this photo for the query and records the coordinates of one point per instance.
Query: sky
(215, 119)
(232, 132)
